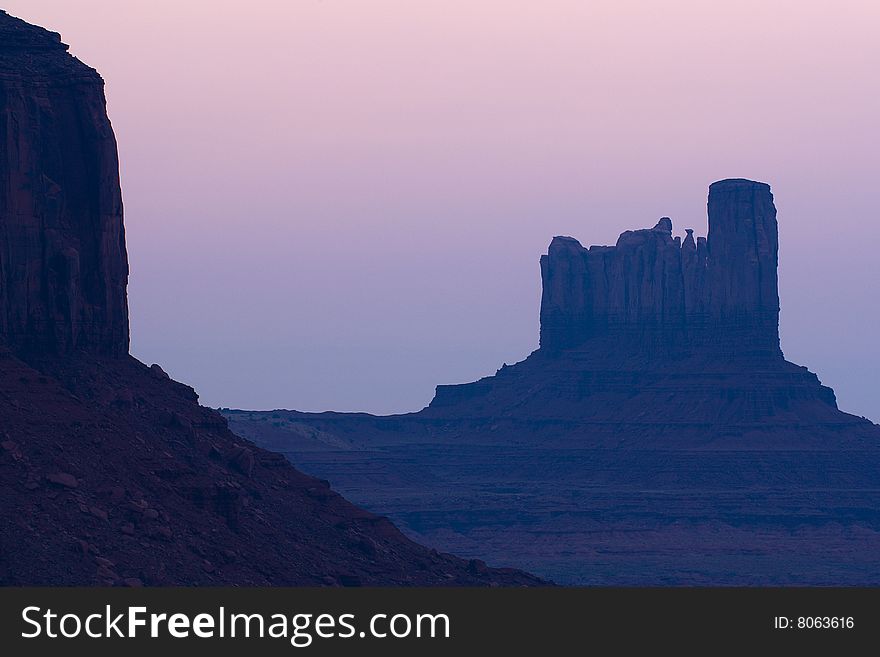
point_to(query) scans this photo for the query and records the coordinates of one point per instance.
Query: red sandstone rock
(63, 266)
(656, 292)
(242, 460)
(64, 323)
(659, 329)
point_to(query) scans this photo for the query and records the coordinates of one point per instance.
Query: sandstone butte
(111, 472)
(657, 436)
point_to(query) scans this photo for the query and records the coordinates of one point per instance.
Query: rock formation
(685, 328)
(63, 264)
(110, 472)
(656, 437)
(654, 292)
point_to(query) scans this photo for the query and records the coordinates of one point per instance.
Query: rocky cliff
(655, 292)
(110, 472)
(63, 265)
(675, 330)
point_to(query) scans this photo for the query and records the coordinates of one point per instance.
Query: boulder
(63, 479)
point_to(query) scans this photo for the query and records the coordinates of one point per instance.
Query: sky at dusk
(338, 204)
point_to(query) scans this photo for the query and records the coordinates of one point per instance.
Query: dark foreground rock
(111, 472)
(63, 262)
(154, 488)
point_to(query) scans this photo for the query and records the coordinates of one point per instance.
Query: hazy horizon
(338, 205)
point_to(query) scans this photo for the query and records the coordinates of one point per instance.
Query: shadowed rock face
(659, 328)
(656, 293)
(110, 472)
(63, 264)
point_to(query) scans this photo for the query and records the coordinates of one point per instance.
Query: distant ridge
(657, 436)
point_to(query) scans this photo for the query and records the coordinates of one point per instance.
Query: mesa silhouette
(110, 472)
(657, 436)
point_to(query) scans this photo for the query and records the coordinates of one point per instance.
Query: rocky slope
(110, 472)
(658, 436)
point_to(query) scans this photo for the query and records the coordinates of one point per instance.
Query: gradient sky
(338, 204)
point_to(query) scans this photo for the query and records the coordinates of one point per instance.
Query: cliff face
(653, 292)
(661, 328)
(110, 472)
(63, 264)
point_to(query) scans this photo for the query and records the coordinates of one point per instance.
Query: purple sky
(338, 204)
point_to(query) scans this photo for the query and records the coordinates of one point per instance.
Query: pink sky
(341, 203)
